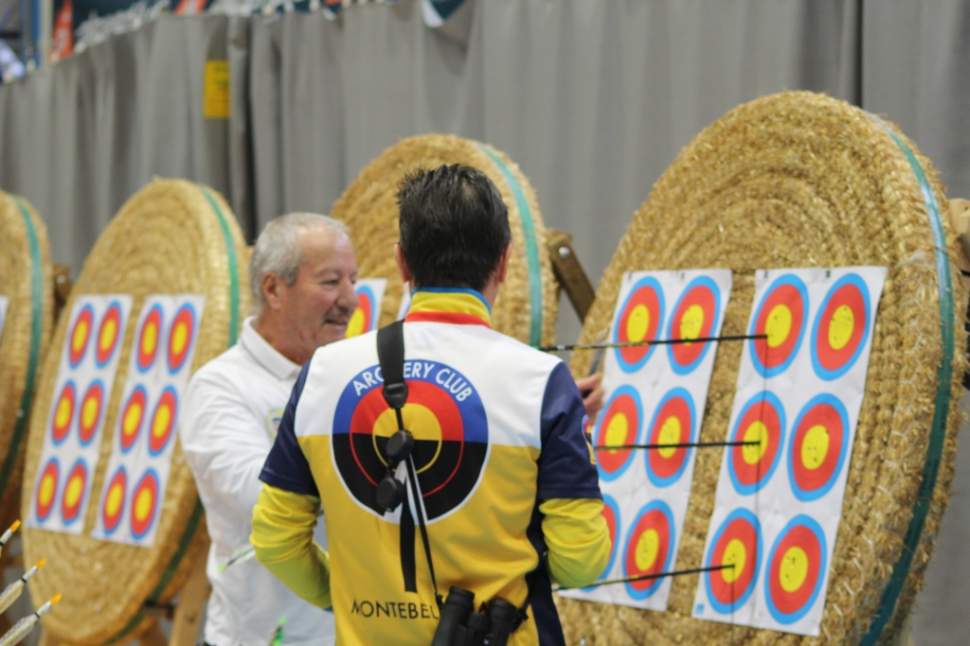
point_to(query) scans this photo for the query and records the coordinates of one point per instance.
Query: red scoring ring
(825, 415)
(112, 314)
(645, 295)
(70, 512)
(613, 459)
(146, 358)
(140, 527)
(668, 467)
(184, 316)
(790, 603)
(657, 520)
(728, 592)
(687, 353)
(74, 356)
(95, 392)
(784, 294)
(68, 394)
(848, 295)
(110, 522)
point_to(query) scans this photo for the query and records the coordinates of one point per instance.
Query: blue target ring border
(176, 405)
(119, 334)
(371, 323)
(651, 348)
(610, 502)
(747, 515)
(824, 398)
(772, 399)
(57, 489)
(92, 332)
(102, 413)
(155, 307)
(848, 279)
(816, 529)
(799, 284)
(648, 592)
(708, 282)
(84, 494)
(189, 343)
(684, 394)
(635, 396)
(75, 411)
(110, 531)
(159, 499)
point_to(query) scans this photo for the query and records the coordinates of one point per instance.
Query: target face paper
(370, 292)
(79, 406)
(799, 394)
(655, 396)
(144, 430)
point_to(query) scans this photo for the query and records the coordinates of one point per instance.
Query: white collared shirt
(232, 408)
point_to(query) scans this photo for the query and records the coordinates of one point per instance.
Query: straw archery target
(648, 548)
(365, 318)
(781, 315)
(639, 318)
(87, 364)
(450, 445)
(841, 327)
(674, 422)
(694, 315)
(762, 420)
(145, 427)
(818, 448)
(795, 569)
(619, 425)
(737, 543)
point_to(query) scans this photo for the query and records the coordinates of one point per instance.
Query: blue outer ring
(704, 281)
(635, 396)
(84, 494)
(725, 608)
(646, 593)
(772, 400)
(816, 529)
(797, 283)
(189, 342)
(829, 375)
(824, 398)
(692, 436)
(646, 281)
(119, 340)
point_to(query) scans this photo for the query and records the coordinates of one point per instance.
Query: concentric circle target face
(144, 504)
(781, 315)
(181, 335)
(694, 316)
(649, 548)
(618, 425)
(163, 421)
(114, 500)
(737, 544)
(75, 486)
(674, 422)
(364, 318)
(64, 412)
(92, 408)
(640, 319)
(795, 571)
(46, 491)
(762, 420)
(841, 327)
(819, 446)
(80, 336)
(109, 335)
(446, 416)
(149, 339)
(131, 418)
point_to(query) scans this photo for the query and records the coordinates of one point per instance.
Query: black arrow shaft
(657, 575)
(677, 445)
(563, 347)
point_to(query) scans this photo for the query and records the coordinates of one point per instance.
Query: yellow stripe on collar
(451, 300)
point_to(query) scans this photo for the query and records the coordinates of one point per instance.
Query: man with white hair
(302, 276)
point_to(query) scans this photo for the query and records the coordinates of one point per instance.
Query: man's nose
(348, 295)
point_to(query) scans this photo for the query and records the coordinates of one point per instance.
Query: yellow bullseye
(670, 433)
(815, 447)
(647, 550)
(108, 333)
(420, 420)
(355, 326)
(793, 570)
(692, 322)
(841, 327)
(638, 323)
(163, 418)
(73, 492)
(735, 554)
(180, 336)
(89, 413)
(616, 430)
(80, 335)
(143, 505)
(149, 340)
(47, 486)
(132, 418)
(778, 325)
(115, 495)
(63, 415)
(756, 432)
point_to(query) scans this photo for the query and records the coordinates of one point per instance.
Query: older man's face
(320, 301)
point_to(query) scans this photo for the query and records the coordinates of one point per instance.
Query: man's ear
(272, 288)
(402, 265)
(503, 265)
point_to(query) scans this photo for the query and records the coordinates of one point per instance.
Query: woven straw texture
(171, 237)
(801, 180)
(26, 281)
(527, 304)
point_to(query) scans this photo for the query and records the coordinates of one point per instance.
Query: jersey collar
(457, 305)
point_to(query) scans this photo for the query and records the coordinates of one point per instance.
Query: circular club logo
(63, 412)
(163, 421)
(640, 319)
(75, 488)
(841, 327)
(649, 549)
(144, 504)
(132, 415)
(737, 547)
(364, 318)
(148, 338)
(181, 335)
(818, 448)
(618, 425)
(673, 423)
(694, 316)
(77, 343)
(114, 501)
(781, 316)
(444, 413)
(761, 426)
(109, 334)
(796, 569)
(47, 489)
(92, 405)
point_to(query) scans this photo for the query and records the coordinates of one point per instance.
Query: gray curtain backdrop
(592, 99)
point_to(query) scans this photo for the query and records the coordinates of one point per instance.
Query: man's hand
(591, 388)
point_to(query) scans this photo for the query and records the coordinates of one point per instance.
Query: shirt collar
(265, 354)
(450, 305)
